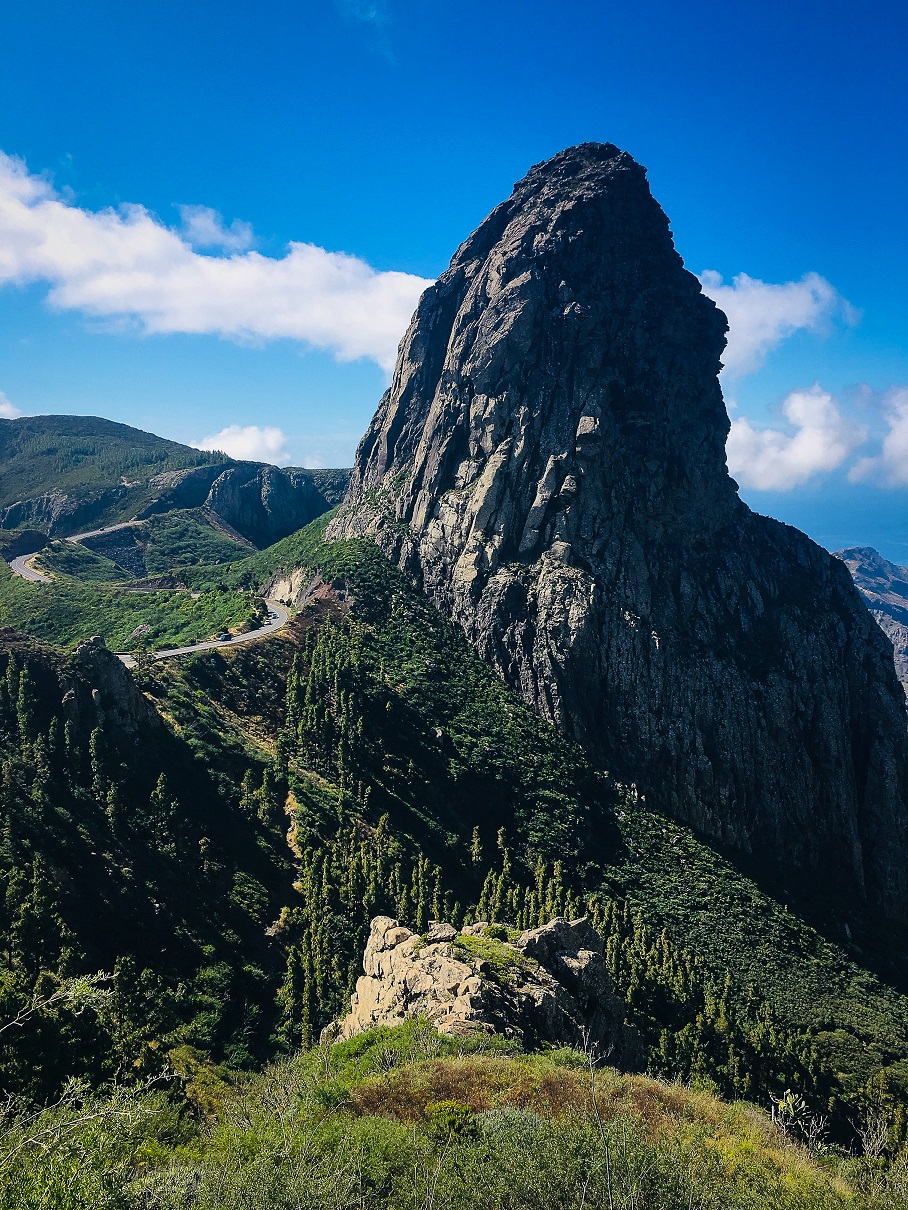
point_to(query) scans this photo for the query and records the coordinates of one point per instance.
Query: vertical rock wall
(550, 463)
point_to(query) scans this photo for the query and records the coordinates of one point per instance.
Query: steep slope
(408, 780)
(884, 586)
(549, 464)
(63, 474)
(121, 851)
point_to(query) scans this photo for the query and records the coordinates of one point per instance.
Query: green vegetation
(182, 538)
(161, 545)
(121, 851)
(406, 758)
(366, 762)
(83, 456)
(331, 483)
(406, 1118)
(67, 612)
(62, 558)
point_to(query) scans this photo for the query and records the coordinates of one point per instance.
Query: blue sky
(184, 179)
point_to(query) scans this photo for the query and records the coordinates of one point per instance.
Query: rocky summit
(549, 465)
(549, 986)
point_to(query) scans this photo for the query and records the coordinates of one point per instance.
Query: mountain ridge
(884, 586)
(63, 474)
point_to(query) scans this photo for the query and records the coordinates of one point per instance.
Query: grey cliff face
(265, 503)
(549, 463)
(262, 503)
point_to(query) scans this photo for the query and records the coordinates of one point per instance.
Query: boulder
(550, 987)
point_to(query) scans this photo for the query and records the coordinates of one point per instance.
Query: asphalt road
(96, 533)
(270, 627)
(20, 567)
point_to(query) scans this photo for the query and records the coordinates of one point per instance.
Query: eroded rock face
(550, 986)
(265, 503)
(113, 691)
(549, 463)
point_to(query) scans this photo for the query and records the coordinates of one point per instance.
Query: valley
(517, 809)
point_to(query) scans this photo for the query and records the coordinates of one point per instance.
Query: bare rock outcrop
(884, 586)
(549, 986)
(549, 464)
(114, 693)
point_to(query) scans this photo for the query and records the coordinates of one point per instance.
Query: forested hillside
(222, 864)
(81, 454)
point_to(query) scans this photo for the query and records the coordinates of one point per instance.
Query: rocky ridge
(549, 465)
(548, 986)
(884, 586)
(61, 475)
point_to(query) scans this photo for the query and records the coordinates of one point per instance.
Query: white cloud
(126, 264)
(762, 314)
(890, 466)
(252, 442)
(204, 228)
(8, 410)
(772, 460)
(372, 12)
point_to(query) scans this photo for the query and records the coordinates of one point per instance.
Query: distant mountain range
(884, 586)
(63, 474)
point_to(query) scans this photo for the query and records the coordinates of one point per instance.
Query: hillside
(63, 474)
(405, 1117)
(406, 766)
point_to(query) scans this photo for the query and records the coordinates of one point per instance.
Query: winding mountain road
(21, 568)
(278, 617)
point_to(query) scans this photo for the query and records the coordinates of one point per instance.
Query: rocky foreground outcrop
(549, 463)
(549, 986)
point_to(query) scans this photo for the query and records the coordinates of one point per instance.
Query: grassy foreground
(407, 1118)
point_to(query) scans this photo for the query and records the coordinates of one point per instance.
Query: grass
(409, 1118)
(161, 545)
(69, 559)
(67, 612)
(502, 961)
(183, 538)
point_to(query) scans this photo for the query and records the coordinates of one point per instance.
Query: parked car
(224, 636)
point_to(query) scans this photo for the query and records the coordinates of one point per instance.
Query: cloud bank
(125, 264)
(763, 314)
(252, 442)
(820, 438)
